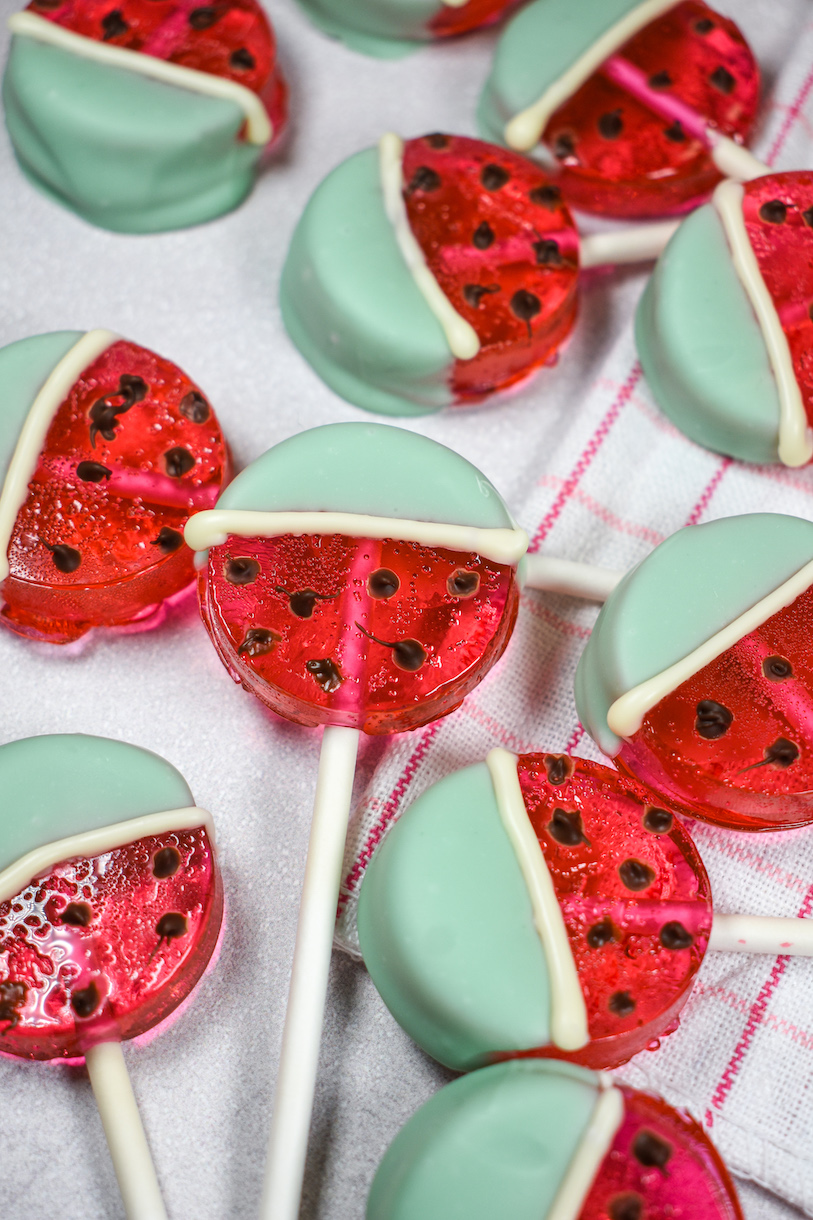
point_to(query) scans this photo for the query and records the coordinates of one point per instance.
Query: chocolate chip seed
(463, 583)
(660, 80)
(636, 875)
(558, 768)
(525, 305)
(807, 217)
(12, 998)
(547, 196)
(474, 293)
(675, 133)
(773, 212)
(113, 24)
(622, 1004)
(202, 18)
(658, 821)
(77, 914)
(713, 720)
(626, 1207)
(437, 140)
(610, 125)
(166, 862)
(325, 673)
(674, 936)
(650, 1150)
(600, 934)
(65, 558)
(104, 413)
(258, 641)
(408, 655)
(547, 253)
(179, 461)
(704, 26)
(564, 146)
(171, 926)
(242, 60)
(782, 753)
(383, 583)
(241, 571)
(168, 540)
(494, 177)
(777, 669)
(93, 472)
(722, 79)
(424, 179)
(483, 236)
(85, 1001)
(566, 828)
(194, 406)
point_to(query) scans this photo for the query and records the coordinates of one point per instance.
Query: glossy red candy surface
(377, 635)
(107, 947)
(232, 39)
(661, 1165)
(503, 248)
(618, 156)
(634, 895)
(98, 542)
(733, 745)
(459, 19)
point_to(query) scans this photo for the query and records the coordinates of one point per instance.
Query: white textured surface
(584, 451)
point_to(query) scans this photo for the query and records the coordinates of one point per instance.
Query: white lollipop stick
(762, 934)
(124, 1132)
(301, 1038)
(564, 576)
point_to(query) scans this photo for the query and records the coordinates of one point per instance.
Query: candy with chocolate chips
(524, 907)
(698, 676)
(628, 99)
(102, 457)
(533, 1139)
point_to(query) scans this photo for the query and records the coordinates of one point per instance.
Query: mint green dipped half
(24, 368)
(372, 469)
(497, 1143)
(54, 787)
(385, 29)
(446, 928)
(692, 586)
(351, 306)
(537, 47)
(123, 151)
(702, 349)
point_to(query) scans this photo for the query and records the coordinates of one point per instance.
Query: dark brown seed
(558, 767)
(77, 914)
(635, 874)
(474, 293)
(722, 79)
(463, 583)
(773, 212)
(658, 821)
(673, 935)
(166, 862)
(547, 196)
(93, 472)
(202, 18)
(660, 80)
(437, 140)
(65, 558)
(241, 570)
(566, 828)
(12, 998)
(179, 461)
(777, 669)
(525, 305)
(610, 125)
(325, 673)
(194, 406)
(564, 146)
(242, 60)
(168, 540)
(600, 934)
(807, 217)
(113, 24)
(171, 926)
(258, 641)
(782, 753)
(483, 236)
(713, 720)
(424, 179)
(409, 655)
(85, 1001)
(302, 603)
(650, 1150)
(675, 133)
(383, 583)
(621, 1003)
(626, 1207)
(704, 26)
(547, 253)
(494, 177)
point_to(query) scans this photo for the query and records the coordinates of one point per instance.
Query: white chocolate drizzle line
(96, 842)
(595, 1143)
(795, 435)
(213, 526)
(258, 125)
(454, 3)
(32, 436)
(525, 129)
(626, 715)
(568, 1010)
(460, 334)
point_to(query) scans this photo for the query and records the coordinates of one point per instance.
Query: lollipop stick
(762, 934)
(301, 1038)
(565, 576)
(124, 1132)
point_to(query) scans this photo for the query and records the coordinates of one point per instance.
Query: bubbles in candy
(102, 936)
(698, 676)
(330, 626)
(104, 450)
(468, 957)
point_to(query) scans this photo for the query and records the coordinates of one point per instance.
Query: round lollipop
(549, 1141)
(724, 330)
(389, 28)
(438, 271)
(142, 115)
(642, 107)
(697, 677)
(110, 908)
(105, 448)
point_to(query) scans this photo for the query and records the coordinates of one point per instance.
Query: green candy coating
(24, 368)
(385, 29)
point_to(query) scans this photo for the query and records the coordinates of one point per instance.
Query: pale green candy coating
(385, 29)
(692, 586)
(496, 1143)
(351, 305)
(67, 784)
(125, 152)
(537, 47)
(24, 368)
(446, 928)
(372, 469)
(702, 349)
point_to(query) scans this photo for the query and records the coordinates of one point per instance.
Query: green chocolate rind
(24, 368)
(385, 29)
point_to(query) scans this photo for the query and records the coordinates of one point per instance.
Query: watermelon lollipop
(438, 271)
(105, 448)
(110, 909)
(697, 677)
(143, 115)
(389, 28)
(641, 106)
(724, 330)
(535, 1140)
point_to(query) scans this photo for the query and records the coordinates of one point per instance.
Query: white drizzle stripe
(795, 436)
(460, 334)
(95, 842)
(525, 129)
(626, 714)
(213, 526)
(596, 1142)
(32, 436)
(568, 1010)
(454, 3)
(258, 125)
